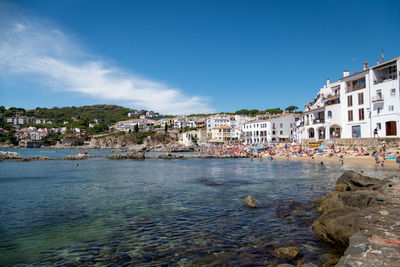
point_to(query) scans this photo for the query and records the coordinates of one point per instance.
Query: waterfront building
(356, 106)
(277, 128)
(221, 134)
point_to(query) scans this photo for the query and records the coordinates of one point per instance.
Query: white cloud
(36, 48)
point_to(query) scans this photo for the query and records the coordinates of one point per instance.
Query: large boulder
(251, 201)
(337, 225)
(350, 181)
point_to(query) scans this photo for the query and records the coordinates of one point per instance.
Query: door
(391, 128)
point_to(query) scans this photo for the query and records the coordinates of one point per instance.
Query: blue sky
(186, 56)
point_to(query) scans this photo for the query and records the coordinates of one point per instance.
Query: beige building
(221, 134)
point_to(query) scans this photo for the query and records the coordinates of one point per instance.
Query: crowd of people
(293, 150)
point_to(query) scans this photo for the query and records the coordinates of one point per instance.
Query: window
(281, 125)
(378, 125)
(393, 92)
(358, 84)
(330, 114)
(361, 114)
(378, 110)
(391, 108)
(360, 98)
(356, 131)
(281, 132)
(273, 132)
(273, 125)
(349, 100)
(350, 115)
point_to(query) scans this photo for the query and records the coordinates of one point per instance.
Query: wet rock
(35, 158)
(287, 252)
(170, 156)
(134, 156)
(337, 225)
(251, 202)
(6, 155)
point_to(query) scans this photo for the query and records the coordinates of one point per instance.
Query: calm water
(157, 212)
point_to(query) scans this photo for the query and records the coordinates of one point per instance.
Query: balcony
(317, 121)
(377, 99)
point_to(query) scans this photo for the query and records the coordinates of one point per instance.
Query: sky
(184, 57)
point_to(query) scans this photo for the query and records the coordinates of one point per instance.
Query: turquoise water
(157, 212)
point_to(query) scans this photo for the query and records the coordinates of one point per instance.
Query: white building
(355, 106)
(234, 121)
(275, 129)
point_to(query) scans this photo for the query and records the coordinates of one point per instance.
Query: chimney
(346, 73)
(378, 62)
(365, 65)
(328, 82)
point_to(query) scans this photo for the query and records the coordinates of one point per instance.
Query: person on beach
(375, 155)
(341, 160)
(398, 158)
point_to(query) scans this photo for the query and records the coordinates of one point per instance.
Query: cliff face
(128, 140)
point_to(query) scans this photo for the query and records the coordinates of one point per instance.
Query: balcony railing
(316, 121)
(377, 98)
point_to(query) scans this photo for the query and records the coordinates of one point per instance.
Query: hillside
(109, 113)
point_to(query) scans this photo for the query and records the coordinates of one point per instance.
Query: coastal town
(356, 109)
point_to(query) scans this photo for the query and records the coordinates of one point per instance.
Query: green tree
(291, 109)
(166, 127)
(136, 129)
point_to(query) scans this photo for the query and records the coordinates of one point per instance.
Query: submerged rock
(212, 182)
(287, 252)
(251, 202)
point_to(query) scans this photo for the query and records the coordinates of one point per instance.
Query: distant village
(361, 105)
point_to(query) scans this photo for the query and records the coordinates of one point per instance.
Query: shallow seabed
(157, 212)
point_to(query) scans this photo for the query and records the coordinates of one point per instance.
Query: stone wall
(356, 141)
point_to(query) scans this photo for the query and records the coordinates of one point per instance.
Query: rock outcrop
(77, 157)
(135, 156)
(363, 216)
(5, 155)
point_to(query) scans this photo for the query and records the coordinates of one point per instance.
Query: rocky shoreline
(362, 215)
(14, 156)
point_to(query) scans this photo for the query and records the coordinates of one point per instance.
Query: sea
(158, 212)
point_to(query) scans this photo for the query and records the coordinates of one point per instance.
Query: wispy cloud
(35, 48)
